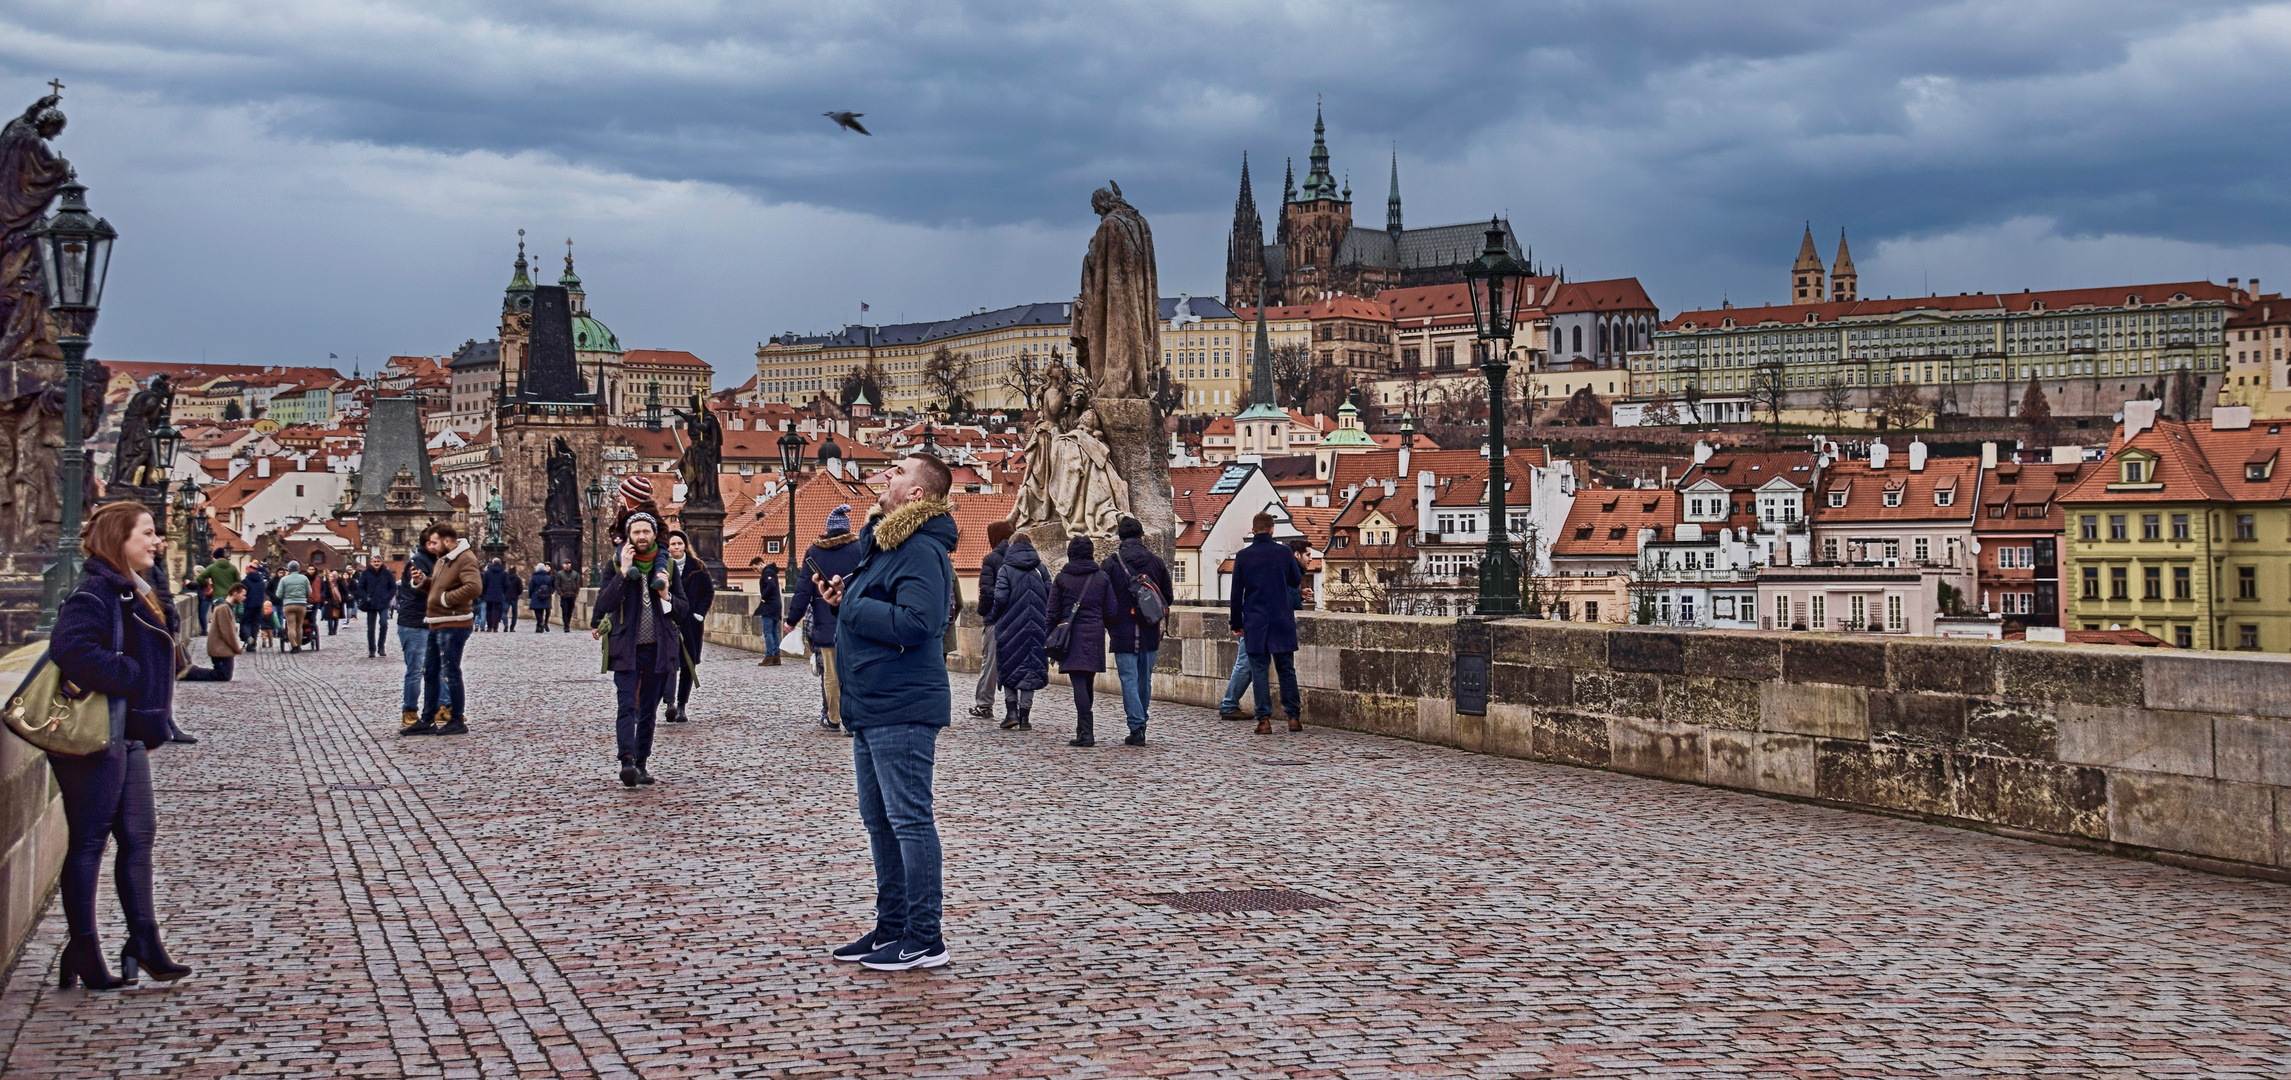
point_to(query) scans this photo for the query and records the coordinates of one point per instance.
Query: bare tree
(1029, 376)
(1899, 405)
(2184, 405)
(1660, 411)
(2036, 412)
(1836, 400)
(1293, 367)
(865, 377)
(947, 372)
(1769, 391)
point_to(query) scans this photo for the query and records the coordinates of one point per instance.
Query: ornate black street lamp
(75, 256)
(652, 405)
(593, 497)
(1496, 283)
(187, 499)
(791, 458)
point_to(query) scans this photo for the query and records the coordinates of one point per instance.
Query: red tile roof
(1613, 294)
(1606, 521)
(666, 358)
(1865, 490)
(2193, 463)
(1994, 303)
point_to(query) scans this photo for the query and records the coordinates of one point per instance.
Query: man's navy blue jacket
(1263, 607)
(893, 618)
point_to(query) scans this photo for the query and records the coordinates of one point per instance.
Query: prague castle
(1318, 251)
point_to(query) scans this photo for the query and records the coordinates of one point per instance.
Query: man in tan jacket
(223, 645)
(450, 613)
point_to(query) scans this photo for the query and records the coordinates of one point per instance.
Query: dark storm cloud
(1682, 142)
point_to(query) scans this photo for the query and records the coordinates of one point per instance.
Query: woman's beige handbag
(48, 711)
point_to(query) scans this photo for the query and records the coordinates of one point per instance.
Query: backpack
(1152, 607)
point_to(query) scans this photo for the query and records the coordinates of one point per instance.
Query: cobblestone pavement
(497, 905)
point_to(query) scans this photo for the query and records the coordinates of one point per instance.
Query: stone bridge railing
(2179, 756)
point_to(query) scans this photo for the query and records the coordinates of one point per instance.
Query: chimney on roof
(1424, 483)
(262, 467)
(1390, 487)
(2139, 416)
(1877, 453)
(1988, 456)
(1916, 455)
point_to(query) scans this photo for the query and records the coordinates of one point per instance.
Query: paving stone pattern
(497, 906)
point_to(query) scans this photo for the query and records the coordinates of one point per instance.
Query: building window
(1837, 497)
(1893, 549)
(1924, 549)
(2089, 528)
(2119, 583)
(771, 547)
(2247, 636)
(2246, 527)
(1857, 608)
(2151, 527)
(1893, 498)
(1829, 549)
(2184, 636)
(1590, 611)
(2116, 527)
(2183, 584)
(2247, 583)
(2179, 526)
(1893, 612)
(2151, 583)
(1821, 612)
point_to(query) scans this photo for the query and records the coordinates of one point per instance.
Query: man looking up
(891, 613)
(645, 648)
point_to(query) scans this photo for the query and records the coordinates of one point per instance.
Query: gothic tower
(516, 320)
(1288, 195)
(1843, 284)
(1392, 202)
(1806, 275)
(1245, 248)
(1318, 219)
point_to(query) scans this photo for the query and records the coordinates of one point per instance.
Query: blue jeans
(638, 694)
(1136, 669)
(445, 670)
(893, 763)
(477, 615)
(421, 679)
(1237, 682)
(1260, 665)
(206, 604)
(771, 636)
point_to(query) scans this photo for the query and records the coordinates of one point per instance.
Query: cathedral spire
(1245, 245)
(519, 279)
(1392, 201)
(1261, 362)
(1246, 201)
(1806, 273)
(1319, 182)
(1289, 180)
(1844, 283)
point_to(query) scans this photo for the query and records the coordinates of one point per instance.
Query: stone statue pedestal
(704, 527)
(1140, 453)
(561, 546)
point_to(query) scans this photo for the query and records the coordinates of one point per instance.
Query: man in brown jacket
(450, 613)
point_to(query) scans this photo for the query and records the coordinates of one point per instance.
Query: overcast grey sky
(293, 178)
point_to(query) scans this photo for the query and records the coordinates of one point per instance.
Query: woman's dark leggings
(1084, 690)
(107, 796)
(688, 675)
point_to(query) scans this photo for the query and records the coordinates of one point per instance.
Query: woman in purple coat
(1083, 596)
(115, 635)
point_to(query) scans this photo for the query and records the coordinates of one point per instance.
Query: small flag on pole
(331, 356)
(863, 305)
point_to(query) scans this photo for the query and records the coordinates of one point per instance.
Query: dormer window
(1893, 497)
(1837, 497)
(2135, 470)
(1944, 496)
(2261, 466)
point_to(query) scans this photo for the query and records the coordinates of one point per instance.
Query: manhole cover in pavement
(1239, 900)
(356, 787)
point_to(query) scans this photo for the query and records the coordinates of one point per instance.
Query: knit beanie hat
(635, 490)
(1080, 548)
(839, 520)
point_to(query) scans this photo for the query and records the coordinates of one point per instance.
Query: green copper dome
(590, 335)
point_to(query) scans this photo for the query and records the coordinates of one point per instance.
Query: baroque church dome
(589, 335)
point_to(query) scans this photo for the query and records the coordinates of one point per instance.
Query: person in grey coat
(1083, 597)
(997, 539)
(1021, 621)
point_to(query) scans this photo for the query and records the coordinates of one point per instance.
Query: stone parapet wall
(2182, 756)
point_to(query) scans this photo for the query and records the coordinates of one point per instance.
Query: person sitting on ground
(223, 645)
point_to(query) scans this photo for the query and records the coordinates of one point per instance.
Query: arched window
(1578, 339)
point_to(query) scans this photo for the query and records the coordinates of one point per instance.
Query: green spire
(520, 280)
(571, 280)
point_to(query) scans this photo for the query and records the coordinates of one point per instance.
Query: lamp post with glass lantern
(791, 457)
(75, 256)
(1496, 283)
(593, 497)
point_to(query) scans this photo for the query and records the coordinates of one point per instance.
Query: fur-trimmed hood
(893, 529)
(830, 543)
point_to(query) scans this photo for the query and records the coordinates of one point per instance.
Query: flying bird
(848, 120)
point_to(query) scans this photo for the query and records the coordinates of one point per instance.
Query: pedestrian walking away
(373, 588)
(1138, 574)
(449, 610)
(252, 619)
(493, 589)
(223, 645)
(982, 695)
(567, 594)
(410, 599)
(293, 596)
(893, 610)
(835, 555)
(1267, 584)
(513, 595)
(115, 635)
(767, 613)
(538, 589)
(638, 612)
(699, 591)
(1021, 622)
(330, 601)
(1082, 599)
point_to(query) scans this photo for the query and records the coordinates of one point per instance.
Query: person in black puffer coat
(989, 566)
(700, 594)
(1021, 621)
(1082, 596)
